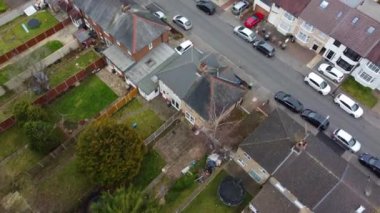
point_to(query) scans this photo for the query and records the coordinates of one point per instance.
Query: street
(272, 73)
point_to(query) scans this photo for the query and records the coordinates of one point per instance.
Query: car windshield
(352, 142)
(323, 85)
(328, 68)
(372, 161)
(312, 114)
(355, 107)
(187, 23)
(179, 48)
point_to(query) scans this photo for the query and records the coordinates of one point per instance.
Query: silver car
(245, 33)
(183, 22)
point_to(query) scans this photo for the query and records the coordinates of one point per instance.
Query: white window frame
(307, 27)
(373, 67)
(118, 43)
(366, 77)
(289, 17)
(190, 118)
(285, 26)
(150, 46)
(302, 37)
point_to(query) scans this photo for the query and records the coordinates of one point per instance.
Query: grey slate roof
(121, 60)
(180, 75)
(135, 28)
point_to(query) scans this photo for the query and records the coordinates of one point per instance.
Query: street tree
(125, 200)
(109, 152)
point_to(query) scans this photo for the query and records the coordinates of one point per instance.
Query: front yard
(13, 34)
(363, 95)
(208, 200)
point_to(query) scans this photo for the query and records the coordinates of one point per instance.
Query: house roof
(356, 35)
(292, 7)
(325, 19)
(269, 199)
(352, 3)
(370, 8)
(180, 75)
(374, 54)
(136, 27)
(121, 60)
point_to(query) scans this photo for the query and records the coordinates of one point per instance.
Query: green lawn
(11, 70)
(11, 140)
(3, 6)
(209, 201)
(13, 34)
(69, 66)
(84, 101)
(363, 95)
(150, 169)
(146, 119)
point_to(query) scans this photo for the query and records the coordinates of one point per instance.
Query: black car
(371, 162)
(206, 6)
(288, 101)
(315, 119)
(264, 47)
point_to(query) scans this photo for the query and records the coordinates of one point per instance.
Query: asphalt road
(270, 73)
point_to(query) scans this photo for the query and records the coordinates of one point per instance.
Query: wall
(276, 17)
(168, 94)
(150, 96)
(261, 7)
(23, 47)
(338, 53)
(315, 36)
(363, 70)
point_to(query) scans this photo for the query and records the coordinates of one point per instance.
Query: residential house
(200, 87)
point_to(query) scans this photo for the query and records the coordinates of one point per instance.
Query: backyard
(3, 6)
(208, 200)
(363, 95)
(11, 141)
(11, 70)
(13, 34)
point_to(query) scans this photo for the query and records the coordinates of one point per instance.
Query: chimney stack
(125, 7)
(202, 68)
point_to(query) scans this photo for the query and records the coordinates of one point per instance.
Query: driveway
(215, 32)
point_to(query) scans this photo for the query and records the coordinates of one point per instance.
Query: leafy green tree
(25, 111)
(43, 136)
(110, 153)
(124, 200)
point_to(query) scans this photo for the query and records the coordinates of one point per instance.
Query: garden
(13, 33)
(3, 6)
(363, 95)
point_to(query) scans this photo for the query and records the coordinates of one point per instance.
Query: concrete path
(12, 14)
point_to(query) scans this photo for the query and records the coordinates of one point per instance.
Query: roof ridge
(134, 25)
(152, 22)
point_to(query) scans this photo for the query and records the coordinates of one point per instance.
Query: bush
(181, 184)
(44, 137)
(25, 111)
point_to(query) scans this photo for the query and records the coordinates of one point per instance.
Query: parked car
(349, 105)
(346, 140)
(239, 7)
(160, 15)
(331, 72)
(264, 47)
(183, 47)
(317, 83)
(206, 6)
(315, 119)
(288, 101)
(371, 162)
(245, 33)
(183, 22)
(252, 21)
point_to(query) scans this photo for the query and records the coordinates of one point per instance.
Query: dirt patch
(115, 82)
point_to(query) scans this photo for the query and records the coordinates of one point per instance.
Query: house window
(337, 43)
(365, 76)
(302, 37)
(175, 104)
(307, 27)
(241, 162)
(351, 54)
(289, 16)
(324, 4)
(190, 118)
(344, 64)
(118, 43)
(247, 156)
(330, 54)
(284, 26)
(150, 46)
(370, 30)
(373, 67)
(108, 42)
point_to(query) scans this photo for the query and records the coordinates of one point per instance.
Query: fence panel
(7, 124)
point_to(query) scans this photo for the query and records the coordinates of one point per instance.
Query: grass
(13, 34)
(84, 101)
(11, 140)
(10, 99)
(362, 94)
(209, 201)
(150, 169)
(146, 119)
(68, 67)
(3, 6)
(7, 72)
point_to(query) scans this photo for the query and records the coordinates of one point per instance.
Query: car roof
(337, 72)
(239, 4)
(316, 77)
(247, 31)
(186, 43)
(266, 45)
(183, 18)
(345, 135)
(346, 99)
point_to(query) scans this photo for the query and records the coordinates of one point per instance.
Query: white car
(159, 14)
(317, 83)
(183, 47)
(245, 33)
(349, 105)
(183, 22)
(331, 72)
(346, 139)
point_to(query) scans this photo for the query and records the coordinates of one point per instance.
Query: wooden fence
(52, 94)
(23, 47)
(162, 128)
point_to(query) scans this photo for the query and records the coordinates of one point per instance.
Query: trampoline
(231, 191)
(33, 23)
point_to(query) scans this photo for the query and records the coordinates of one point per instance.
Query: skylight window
(370, 30)
(339, 14)
(324, 4)
(355, 20)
